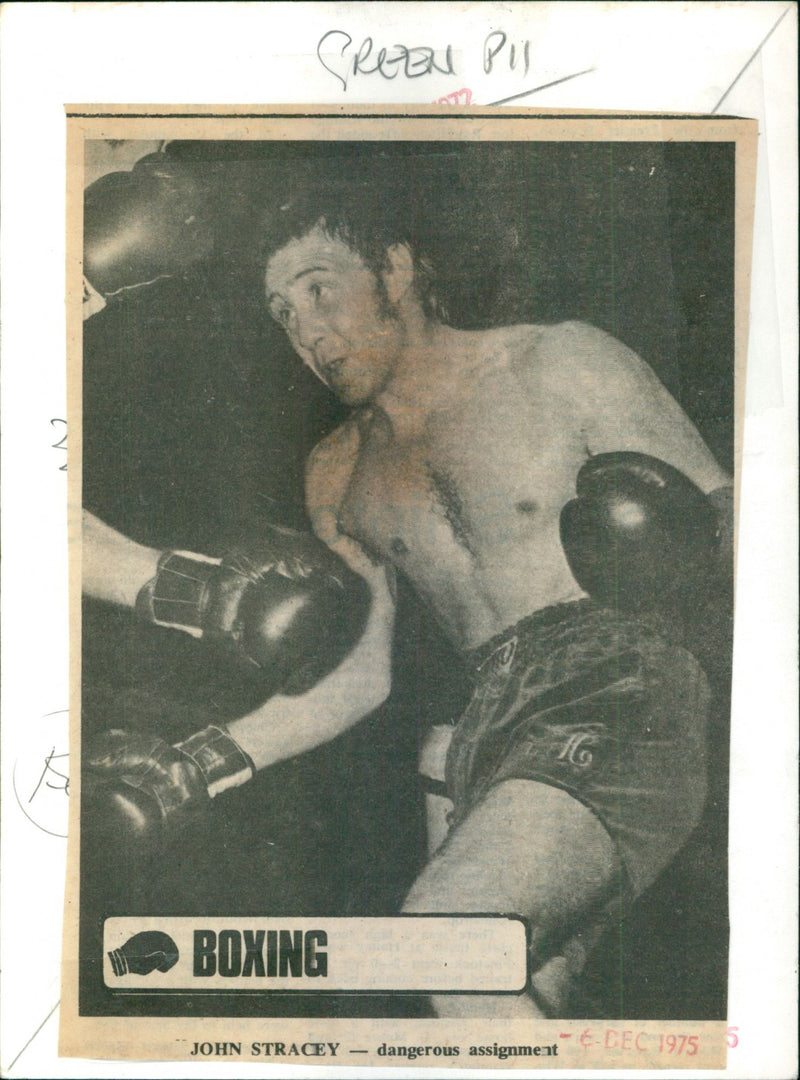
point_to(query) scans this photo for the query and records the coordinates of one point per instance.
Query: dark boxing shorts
(600, 705)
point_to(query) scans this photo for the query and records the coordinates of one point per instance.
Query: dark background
(197, 421)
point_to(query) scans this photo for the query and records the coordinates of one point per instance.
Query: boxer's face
(336, 313)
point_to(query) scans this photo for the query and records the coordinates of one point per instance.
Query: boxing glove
(149, 950)
(640, 535)
(139, 226)
(286, 607)
(136, 782)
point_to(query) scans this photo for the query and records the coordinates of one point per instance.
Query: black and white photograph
(407, 559)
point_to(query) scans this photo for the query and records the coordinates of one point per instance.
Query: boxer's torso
(464, 494)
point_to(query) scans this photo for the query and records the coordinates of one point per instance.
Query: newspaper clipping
(404, 448)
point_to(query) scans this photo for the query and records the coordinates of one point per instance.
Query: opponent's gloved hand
(287, 606)
(640, 534)
(142, 225)
(137, 782)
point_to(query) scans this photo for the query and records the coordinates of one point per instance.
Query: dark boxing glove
(287, 607)
(142, 225)
(640, 535)
(150, 950)
(137, 782)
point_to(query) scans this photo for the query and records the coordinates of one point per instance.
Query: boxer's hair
(368, 205)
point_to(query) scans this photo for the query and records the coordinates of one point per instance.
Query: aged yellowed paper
(446, 784)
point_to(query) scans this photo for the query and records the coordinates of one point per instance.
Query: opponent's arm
(114, 567)
(156, 782)
(141, 782)
(281, 603)
(146, 783)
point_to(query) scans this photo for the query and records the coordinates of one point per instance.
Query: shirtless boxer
(578, 770)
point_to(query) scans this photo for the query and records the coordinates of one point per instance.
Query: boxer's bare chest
(458, 496)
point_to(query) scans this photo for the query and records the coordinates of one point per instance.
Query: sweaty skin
(454, 466)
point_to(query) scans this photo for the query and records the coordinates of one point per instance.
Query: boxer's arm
(636, 412)
(626, 407)
(114, 567)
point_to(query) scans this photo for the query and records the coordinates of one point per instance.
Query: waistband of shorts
(572, 612)
(553, 615)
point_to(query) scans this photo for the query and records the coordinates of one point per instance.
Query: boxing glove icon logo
(151, 950)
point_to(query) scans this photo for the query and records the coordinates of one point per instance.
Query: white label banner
(411, 953)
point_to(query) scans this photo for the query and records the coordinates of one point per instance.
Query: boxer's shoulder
(569, 359)
(576, 345)
(339, 447)
(546, 344)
